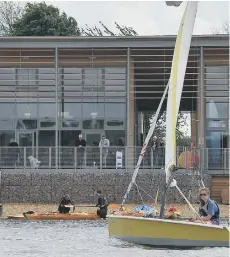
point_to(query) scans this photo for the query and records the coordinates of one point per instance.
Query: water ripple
(81, 239)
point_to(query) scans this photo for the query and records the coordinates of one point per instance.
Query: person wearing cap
(80, 144)
(64, 201)
(104, 145)
(102, 203)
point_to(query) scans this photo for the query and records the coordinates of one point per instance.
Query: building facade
(54, 88)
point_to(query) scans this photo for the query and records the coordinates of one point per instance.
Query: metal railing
(110, 158)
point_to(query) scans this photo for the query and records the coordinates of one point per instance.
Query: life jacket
(203, 211)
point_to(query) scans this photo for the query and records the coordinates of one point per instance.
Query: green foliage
(39, 19)
(160, 129)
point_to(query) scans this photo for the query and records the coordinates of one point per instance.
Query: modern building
(54, 88)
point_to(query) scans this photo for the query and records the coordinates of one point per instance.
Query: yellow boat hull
(59, 216)
(167, 233)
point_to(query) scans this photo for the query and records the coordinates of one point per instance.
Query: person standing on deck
(104, 145)
(102, 203)
(80, 144)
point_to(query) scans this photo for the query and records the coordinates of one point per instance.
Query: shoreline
(13, 209)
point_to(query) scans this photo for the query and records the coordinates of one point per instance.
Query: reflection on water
(78, 239)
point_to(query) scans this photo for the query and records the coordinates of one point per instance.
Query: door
(26, 142)
(92, 151)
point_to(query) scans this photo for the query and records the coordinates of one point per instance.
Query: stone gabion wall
(50, 186)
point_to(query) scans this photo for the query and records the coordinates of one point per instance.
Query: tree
(105, 31)
(224, 29)
(39, 19)
(160, 129)
(9, 13)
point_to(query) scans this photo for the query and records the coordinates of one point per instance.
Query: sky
(146, 17)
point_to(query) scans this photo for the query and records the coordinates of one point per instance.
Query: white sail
(176, 82)
(143, 150)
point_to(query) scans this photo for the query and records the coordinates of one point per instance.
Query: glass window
(90, 109)
(93, 77)
(26, 110)
(46, 77)
(26, 77)
(217, 75)
(46, 138)
(114, 87)
(71, 77)
(213, 123)
(6, 124)
(115, 79)
(7, 77)
(215, 92)
(214, 141)
(70, 124)
(47, 110)
(69, 137)
(6, 137)
(7, 110)
(47, 124)
(116, 137)
(72, 110)
(115, 124)
(115, 110)
(112, 72)
(215, 110)
(216, 69)
(93, 124)
(26, 124)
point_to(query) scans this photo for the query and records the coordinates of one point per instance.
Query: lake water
(78, 239)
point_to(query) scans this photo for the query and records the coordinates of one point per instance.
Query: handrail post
(24, 155)
(151, 157)
(225, 159)
(50, 159)
(75, 158)
(100, 158)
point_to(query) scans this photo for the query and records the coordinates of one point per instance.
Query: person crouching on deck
(102, 204)
(64, 201)
(209, 209)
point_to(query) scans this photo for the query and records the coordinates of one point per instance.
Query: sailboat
(160, 232)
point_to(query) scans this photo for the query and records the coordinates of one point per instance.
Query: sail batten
(176, 82)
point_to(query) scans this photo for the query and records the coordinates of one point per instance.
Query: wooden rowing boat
(60, 216)
(16, 217)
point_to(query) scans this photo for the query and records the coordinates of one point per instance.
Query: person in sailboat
(209, 210)
(65, 201)
(102, 203)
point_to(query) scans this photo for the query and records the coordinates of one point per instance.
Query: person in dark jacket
(80, 144)
(64, 201)
(102, 203)
(13, 154)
